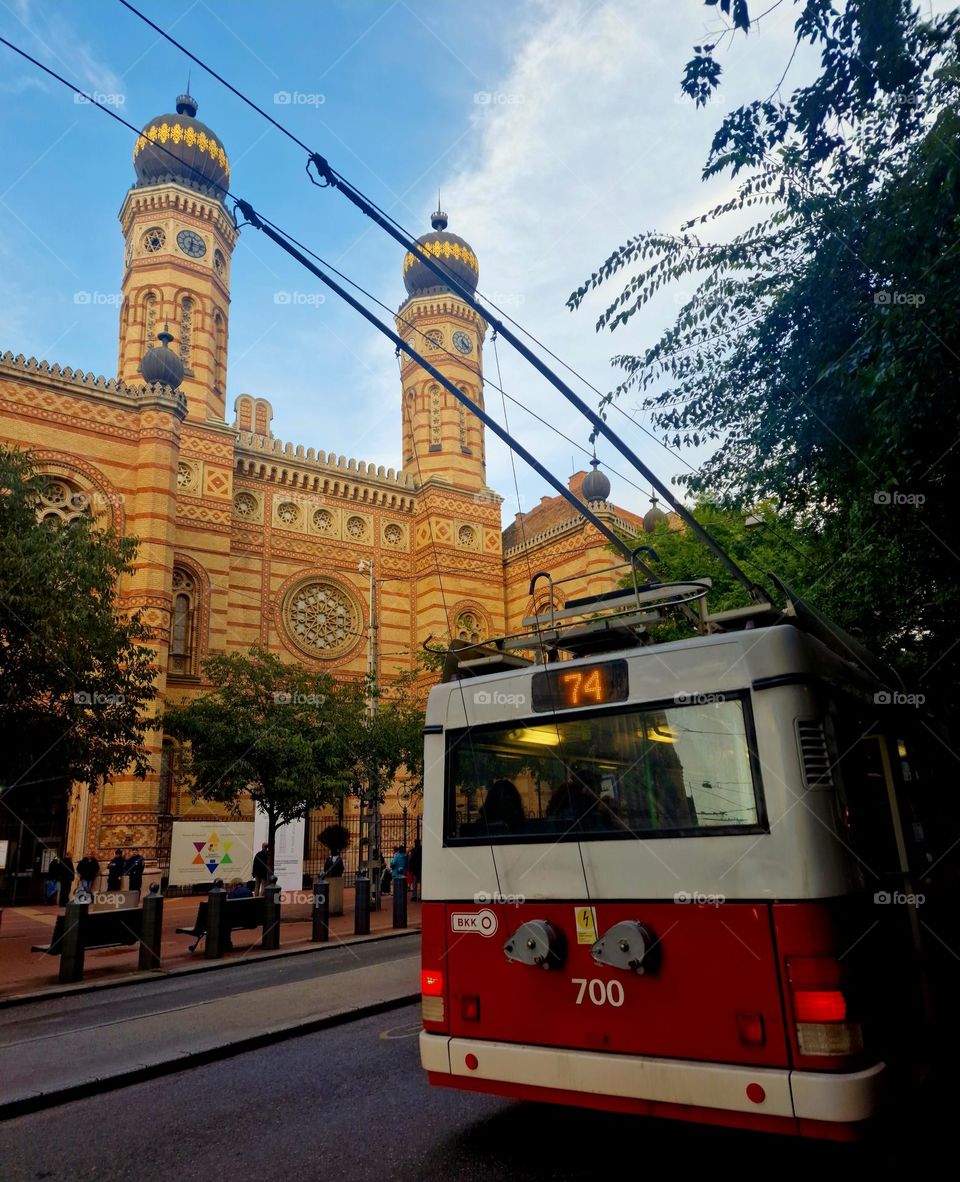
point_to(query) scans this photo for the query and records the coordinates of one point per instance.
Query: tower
(441, 438)
(179, 241)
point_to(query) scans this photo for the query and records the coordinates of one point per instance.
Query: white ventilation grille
(814, 756)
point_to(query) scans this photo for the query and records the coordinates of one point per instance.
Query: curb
(125, 1079)
(55, 992)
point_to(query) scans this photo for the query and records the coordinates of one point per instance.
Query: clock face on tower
(462, 342)
(191, 244)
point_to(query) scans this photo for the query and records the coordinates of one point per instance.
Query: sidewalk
(26, 972)
(58, 1050)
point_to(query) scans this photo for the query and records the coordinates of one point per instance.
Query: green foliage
(75, 679)
(266, 730)
(816, 353)
(376, 744)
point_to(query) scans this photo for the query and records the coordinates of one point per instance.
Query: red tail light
(431, 983)
(821, 1010)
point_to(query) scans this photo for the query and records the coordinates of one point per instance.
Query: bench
(238, 914)
(101, 929)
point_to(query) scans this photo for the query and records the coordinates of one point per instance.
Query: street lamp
(371, 821)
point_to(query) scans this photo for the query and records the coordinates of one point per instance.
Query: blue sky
(555, 130)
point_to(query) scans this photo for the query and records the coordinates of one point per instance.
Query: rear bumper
(841, 1099)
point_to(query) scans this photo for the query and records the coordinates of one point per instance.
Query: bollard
(321, 910)
(216, 921)
(400, 902)
(271, 916)
(71, 946)
(151, 930)
(361, 905)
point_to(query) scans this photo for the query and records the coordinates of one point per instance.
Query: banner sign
(288, 849)
(202, 851)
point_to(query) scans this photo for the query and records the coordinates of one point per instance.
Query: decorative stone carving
(322, 619)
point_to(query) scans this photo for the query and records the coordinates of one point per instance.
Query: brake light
(821, 1005)
(821, 1009)
(432, 989)
(431, 983)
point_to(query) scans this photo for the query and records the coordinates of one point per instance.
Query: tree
(266, 731)
(75, 677)
(816, 352)
(376, 743)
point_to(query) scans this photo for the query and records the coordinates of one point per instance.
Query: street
(351, 1103)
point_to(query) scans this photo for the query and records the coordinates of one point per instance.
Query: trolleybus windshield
(669, 771)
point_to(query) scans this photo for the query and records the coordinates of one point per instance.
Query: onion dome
(653, 516)
(596, 486)
(161, 364)
(182, 147)
(450, 250)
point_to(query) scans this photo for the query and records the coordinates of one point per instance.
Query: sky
(555, 130)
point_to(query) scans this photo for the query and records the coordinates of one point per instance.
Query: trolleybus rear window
(669, 771)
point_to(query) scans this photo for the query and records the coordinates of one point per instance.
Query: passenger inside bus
(502, 811)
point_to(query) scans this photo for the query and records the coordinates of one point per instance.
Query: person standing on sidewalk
(88, 871)
(134, 869)
(398, 865)
(115, 870)
(51, 887)
(261, 867)
(416, 867)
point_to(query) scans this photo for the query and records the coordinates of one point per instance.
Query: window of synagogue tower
(61, 500)
(469, 627)
(185, 596)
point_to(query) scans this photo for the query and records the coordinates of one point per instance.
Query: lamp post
(371, 821)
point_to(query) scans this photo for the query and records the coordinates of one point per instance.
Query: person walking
(261, 867)
(88, 871)
(134, 869)
(416, 868)
(115, 870)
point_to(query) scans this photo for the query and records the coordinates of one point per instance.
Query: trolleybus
(674, 879)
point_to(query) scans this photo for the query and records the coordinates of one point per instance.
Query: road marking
(402, 1031)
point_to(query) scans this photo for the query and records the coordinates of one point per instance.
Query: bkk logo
(477, 923)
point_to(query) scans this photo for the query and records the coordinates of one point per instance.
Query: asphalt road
(351, 1104)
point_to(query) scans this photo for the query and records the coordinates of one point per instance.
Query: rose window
(322, 619)
(60, 500)
(288, 513)
(356, 527)
(469, 627)
(393, 534)
(154, 240)
(323, 520)
(184, 476)
(245, 504)
(467, 535)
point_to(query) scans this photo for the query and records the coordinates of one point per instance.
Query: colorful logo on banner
(213, 853)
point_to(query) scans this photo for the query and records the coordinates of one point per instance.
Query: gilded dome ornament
(456, 256)
(182, 147)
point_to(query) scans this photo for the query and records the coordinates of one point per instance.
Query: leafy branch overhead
(813, 356)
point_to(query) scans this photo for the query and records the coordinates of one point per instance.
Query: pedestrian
(398, 866)
(261, 867)
(416, 868)
(239, 890)
(88, 871)
(134, 869)
(333, 865)
(67, 875)
(115, 870)
(51, 886)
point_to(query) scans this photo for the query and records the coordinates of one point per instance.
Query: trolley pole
(366, 565)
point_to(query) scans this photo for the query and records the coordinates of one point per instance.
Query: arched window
(62, 501)
(186, 329)
(219, 355)
(469, 627)
(151, 309)
(183, 623)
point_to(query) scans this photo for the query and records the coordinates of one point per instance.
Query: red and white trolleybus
(673, 879)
